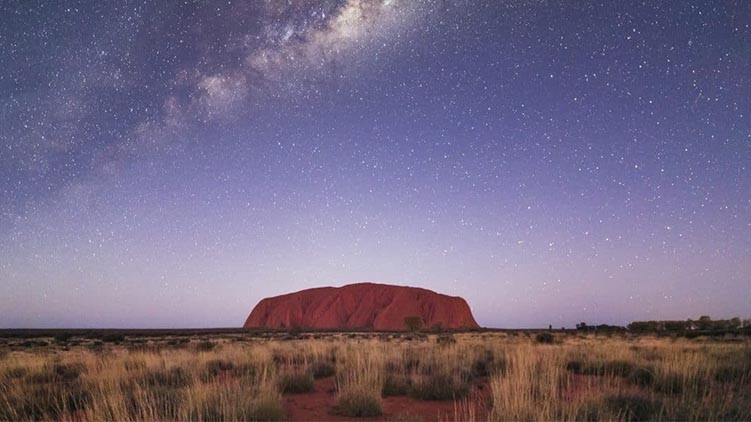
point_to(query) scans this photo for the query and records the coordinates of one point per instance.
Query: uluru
(365, 306)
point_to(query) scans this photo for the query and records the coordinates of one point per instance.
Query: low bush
(165, 400)
(174, 377)
(395, 385)
(205, 346)
(266, 409)
(545, 338)
(63, 337)
(669, 383)
(47, 401)
(358, 402)
(218, 366)
(736, 374)
(618, 368)
(15, 372)
(438, 387)
(113, 338)
(295, 382)
(245, 369)
(34, 343)
(96, 345)
(487, 363)
(641, 376)
(67, 372)
(445, 340)
(57, 373)
(575, 366)
(323, 369)
(178, 342)
(632, 407)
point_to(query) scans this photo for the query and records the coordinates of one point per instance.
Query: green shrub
(669, 384)
(485, 364)
(34, 343)
(235, 403)
(217, 366)
(295, 382)
(205, 346)
(67, 372)
(174, 377)
(323, 369)
(357, 403)
(113, 338)
(245, 369)
(96, 345)
(265, 409)
(576, 366)
(63, 337)
(545, 338)
(395, 385)
(632, 407)
(48, 401)
(288, 358)
(57, 373)
(15, 372)
(413, 323)
(732, 374)
(620, 368)
(165, 399)
(641, 376)
(178, 342)
(439, 387)
(446, 340)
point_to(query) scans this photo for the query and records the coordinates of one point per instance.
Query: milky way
(168, 164)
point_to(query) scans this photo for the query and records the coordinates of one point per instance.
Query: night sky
(169, 164)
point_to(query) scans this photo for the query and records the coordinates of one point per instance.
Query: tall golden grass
(488, 376)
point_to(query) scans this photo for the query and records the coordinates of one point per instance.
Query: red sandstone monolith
(366, 306)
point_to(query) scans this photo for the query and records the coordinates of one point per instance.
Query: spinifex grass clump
(396, 385)
(642, 376)
(486, 363)
(438, 387)
(619, 368)
(323, 369)
(175, 377)
(260, 401)
(531, 387)
(360, 382)
(216, 368)
(295, 381)
(632, 408)
(205, 346)
(358, 401)
(545, 338)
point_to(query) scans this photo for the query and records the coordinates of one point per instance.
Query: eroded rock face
(367, 306)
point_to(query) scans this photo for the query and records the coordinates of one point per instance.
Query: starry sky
(169, 164)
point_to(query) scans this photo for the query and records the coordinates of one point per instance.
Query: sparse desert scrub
(495, 376)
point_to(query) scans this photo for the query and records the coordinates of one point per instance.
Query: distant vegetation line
(690, 328)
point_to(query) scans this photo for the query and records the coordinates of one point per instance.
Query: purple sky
(169, 165)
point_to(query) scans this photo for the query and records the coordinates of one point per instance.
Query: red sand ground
(318, 405)
(361, 306)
